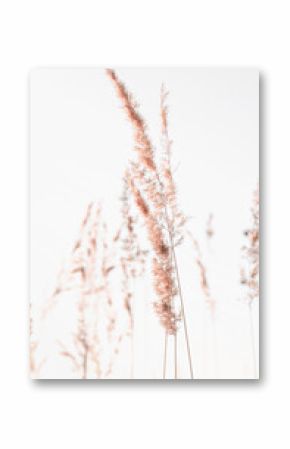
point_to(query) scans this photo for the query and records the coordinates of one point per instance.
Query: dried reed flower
(250, 271)
(164, 286)
(34, 365)
(175, 218)
(87, 276)
(133, 257)
(84, 347)
(211, 303)
(80, 276)
(163, 274)
(142, 141)
(140, 202)
(107, 266)
(145, 173)
(156, 199)
(209, 227)
(81, 265)
(250, 251)
(132, 260)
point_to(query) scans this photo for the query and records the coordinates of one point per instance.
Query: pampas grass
(132, 260)
(250, 271)
(155, 196)
(81, 277)
(100, 279)
(87, 278)
(209, 301)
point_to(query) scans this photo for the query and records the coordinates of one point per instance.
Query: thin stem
(165, 354)
(132, 340)
(85, 363)
(183, 314)
(215, 345)
(252, 336)
(132, 356)
(132, 324)
(175, 356)
(173, 255)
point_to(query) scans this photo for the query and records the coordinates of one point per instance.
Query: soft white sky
(80, 143)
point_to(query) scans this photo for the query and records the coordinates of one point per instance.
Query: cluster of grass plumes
(101, 282)
(80, 277)
(147, 190)
(79, 270)
(142, 141)
(133, 257)
(250, 252)
(153, 188)
(86, 279)
(174, 217)
(249, 276)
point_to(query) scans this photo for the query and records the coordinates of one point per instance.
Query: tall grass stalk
(154, 193)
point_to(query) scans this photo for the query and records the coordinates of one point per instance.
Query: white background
(74, 415)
